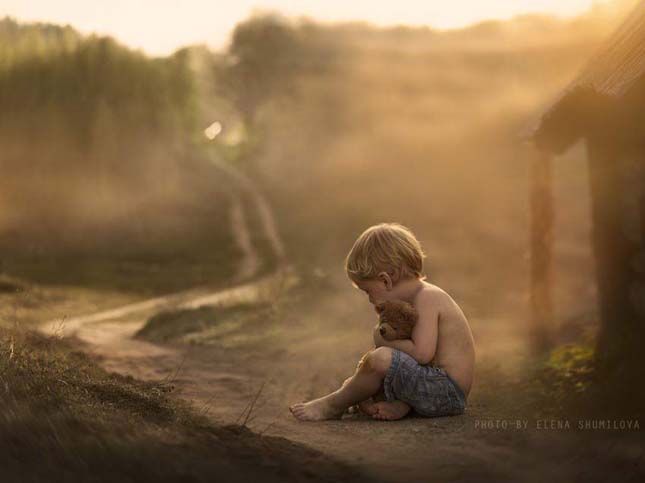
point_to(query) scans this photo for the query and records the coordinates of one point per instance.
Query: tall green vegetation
(89, 129)
(97, 166)
(19, 42)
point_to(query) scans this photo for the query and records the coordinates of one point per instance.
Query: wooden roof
(617, 66)
(620, 61)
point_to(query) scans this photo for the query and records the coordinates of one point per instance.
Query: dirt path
(308, 351)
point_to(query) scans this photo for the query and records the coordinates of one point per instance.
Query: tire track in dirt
(262, 207)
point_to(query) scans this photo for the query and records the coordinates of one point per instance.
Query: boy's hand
(378, 338)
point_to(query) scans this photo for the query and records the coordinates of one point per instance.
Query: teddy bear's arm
(422, 344)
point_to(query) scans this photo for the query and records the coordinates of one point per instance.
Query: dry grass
(64, 418)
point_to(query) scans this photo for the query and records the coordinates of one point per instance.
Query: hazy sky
(160, 26)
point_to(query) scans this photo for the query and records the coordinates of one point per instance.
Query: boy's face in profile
(377, 289)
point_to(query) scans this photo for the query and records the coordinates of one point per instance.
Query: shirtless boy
(432, 372)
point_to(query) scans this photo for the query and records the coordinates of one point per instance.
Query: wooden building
(605, 107)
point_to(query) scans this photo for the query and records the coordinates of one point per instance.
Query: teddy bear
(396, 321)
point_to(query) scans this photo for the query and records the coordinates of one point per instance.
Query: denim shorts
(429, 390)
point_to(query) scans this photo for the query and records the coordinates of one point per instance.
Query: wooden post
(621, 328)
(541, 207)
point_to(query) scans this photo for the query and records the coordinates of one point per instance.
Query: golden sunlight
(169, 24)
(213, 130)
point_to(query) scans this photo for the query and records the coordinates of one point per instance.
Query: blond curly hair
(386, 247)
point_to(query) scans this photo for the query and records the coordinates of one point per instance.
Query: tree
(264, 56)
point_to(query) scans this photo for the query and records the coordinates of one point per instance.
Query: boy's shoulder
(430, 294)
(432, 290)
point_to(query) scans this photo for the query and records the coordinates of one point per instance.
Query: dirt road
(312, 345)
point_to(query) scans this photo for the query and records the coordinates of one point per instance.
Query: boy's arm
(423, 341)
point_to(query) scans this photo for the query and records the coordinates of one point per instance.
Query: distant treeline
(90, 131)
(100, 94)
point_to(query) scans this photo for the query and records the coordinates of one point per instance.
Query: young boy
(432, 372)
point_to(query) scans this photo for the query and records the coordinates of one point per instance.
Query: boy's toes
(390, 411)
(381, 416)
(367, 407)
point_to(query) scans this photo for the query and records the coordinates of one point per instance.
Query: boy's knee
(378, 360)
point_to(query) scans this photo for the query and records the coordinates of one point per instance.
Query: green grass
(139, 273)
(9, 285)
(158, 246)
(213, 322)
(561, 376)
(569, 380)
(65, 419)
(190, 247)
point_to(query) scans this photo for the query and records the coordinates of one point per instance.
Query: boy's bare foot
(367, 407)
(390, 411)
(316, 410)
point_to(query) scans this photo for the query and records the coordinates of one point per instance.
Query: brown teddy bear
(396, 321)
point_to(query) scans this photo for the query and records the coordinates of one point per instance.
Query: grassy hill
(65, 419)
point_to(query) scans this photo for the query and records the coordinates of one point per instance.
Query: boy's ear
(386, 278)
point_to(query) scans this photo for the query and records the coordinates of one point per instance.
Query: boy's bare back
(455, 350)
